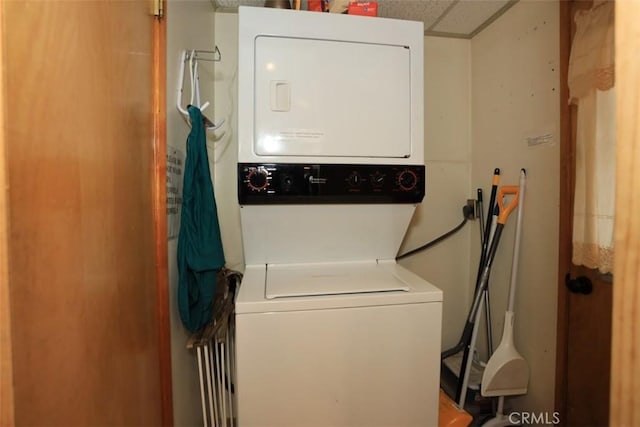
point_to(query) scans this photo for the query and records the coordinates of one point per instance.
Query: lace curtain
(591, 81)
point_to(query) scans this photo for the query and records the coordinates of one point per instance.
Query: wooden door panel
(625, 376)
(589, 352)
(584, 321)
(79, 135)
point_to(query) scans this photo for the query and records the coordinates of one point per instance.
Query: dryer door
(327, 98)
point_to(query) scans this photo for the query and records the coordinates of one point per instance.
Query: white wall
(515, 88)
(226, 148)
(447, 123)
(190, 25)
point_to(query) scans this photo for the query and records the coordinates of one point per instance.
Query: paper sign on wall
(175, 170)
(543, 136)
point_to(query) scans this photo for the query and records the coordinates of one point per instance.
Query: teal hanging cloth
(200, 253)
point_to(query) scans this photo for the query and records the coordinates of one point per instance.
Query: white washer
(364, 353)
(330, 331)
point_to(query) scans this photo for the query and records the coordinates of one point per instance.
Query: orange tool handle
(505, 211)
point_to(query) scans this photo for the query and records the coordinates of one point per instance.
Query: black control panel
(292, 183)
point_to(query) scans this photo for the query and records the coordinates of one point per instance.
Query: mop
(486, 239)
(507, 373)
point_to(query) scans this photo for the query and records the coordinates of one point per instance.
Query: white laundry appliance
(330, 331)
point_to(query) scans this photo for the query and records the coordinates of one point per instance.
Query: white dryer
(330, 331)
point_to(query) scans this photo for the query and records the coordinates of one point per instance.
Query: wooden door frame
(625, 364)
(567, 158)
(159, 188)
(6, 364)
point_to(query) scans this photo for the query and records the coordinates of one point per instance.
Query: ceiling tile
(427, 11)
(467, 15)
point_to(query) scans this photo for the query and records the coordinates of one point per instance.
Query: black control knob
(354, 179)
(407, 180)
(286, 183)
(377, 179)
(258, 179)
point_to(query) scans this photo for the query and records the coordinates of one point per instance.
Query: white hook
(183, 111)
(191, 77)
(195, 88)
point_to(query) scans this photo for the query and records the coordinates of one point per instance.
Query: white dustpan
(507, 373)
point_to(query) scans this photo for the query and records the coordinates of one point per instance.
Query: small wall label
(547, 138)
(545, 135)
(175, 170)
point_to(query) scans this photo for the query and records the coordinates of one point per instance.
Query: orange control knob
(407, 180)
(258, 179)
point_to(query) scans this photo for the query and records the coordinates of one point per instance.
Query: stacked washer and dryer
(330, 330)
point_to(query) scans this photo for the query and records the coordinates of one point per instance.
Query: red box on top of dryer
(366, 8)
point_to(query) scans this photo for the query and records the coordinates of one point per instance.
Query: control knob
(354, 179)
(258, 179)
(377, 179)
(407, 180)
(286, 183)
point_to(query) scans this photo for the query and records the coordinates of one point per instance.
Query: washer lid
(260, 293)
(299, 280)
